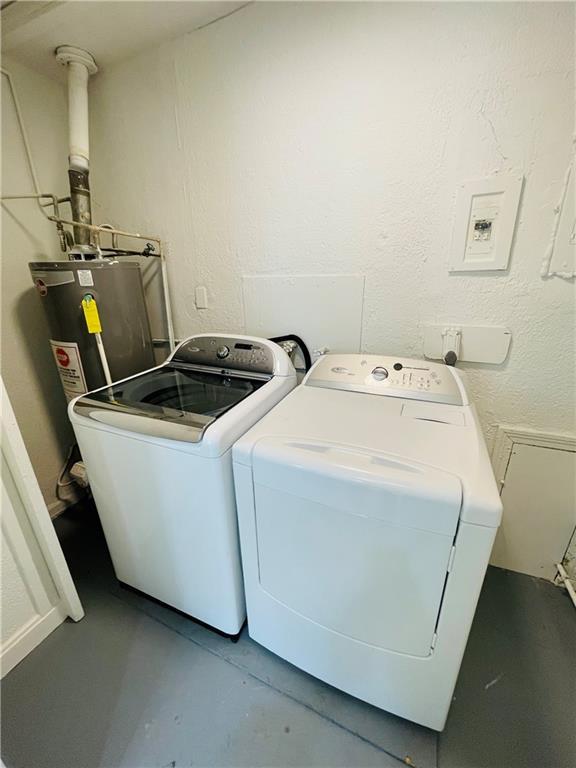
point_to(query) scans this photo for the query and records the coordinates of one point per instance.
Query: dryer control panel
(389, 376)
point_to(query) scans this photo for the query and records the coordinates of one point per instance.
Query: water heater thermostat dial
(222, 351)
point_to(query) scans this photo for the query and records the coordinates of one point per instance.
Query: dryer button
(379, 373)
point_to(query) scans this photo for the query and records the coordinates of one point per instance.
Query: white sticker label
(85, 278)
(69, 366)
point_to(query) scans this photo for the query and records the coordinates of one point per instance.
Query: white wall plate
(324, 310)
(478, 343)
(486, 212)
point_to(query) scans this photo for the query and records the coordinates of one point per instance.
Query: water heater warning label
(69, 366)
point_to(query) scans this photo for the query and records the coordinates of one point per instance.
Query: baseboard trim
(29, 636)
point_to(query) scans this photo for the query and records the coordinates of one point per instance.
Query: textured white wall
(330, 138)
(28, 368)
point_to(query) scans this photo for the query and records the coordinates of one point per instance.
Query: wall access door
(539, 498)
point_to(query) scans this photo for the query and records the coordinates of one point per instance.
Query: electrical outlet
(485, 220)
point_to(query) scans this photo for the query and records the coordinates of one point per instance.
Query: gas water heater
(95, 305)
(115, 289)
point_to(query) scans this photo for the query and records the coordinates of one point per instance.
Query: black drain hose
(304, 349)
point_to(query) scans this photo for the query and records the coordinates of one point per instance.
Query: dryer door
(356, 541)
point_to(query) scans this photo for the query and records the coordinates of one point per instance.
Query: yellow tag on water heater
(91, 314)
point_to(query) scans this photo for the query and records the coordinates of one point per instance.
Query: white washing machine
(157, 448)
(368, 508)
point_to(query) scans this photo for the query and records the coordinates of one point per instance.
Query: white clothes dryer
(368, 508)
(157, 449)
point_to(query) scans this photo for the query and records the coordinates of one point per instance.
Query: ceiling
(111, 30)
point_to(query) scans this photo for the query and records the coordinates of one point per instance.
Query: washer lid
(171, 402)
(360, 481)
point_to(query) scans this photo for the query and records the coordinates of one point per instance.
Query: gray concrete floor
(135, 684)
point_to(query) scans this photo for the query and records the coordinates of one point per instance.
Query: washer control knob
(379, 373)
(222, 351)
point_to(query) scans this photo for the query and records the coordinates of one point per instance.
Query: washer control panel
(390, 376)
(226, 352)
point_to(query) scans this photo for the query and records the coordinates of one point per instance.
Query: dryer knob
(222, 351)
(379, 373)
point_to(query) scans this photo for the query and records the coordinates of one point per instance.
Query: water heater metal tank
(117, 288)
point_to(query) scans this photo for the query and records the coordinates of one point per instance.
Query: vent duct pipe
(80, 65)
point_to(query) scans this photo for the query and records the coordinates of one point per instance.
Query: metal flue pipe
(80, 65)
